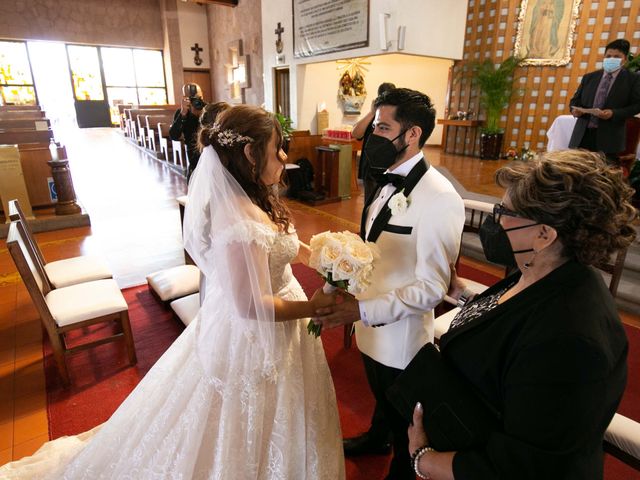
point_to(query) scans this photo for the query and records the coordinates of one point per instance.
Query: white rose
(329, 253)
(398, 203)
(344, 268)
(360, 252)
(361, 281)
(316, 244)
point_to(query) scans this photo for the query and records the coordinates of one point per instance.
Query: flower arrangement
(344, 260)
(524, 154)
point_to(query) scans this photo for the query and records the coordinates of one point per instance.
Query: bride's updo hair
(234, 128)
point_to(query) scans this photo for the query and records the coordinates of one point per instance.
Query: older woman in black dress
(545, 346)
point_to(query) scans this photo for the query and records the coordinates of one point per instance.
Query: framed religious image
(321, 26)
(545, 31)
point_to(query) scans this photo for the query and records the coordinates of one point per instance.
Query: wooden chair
(66, 272)
(70, 308)
(614, 268)
(628, 156)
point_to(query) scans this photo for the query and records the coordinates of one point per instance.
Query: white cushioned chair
(622, 440)
(69, 271)
(175, 282)
(186, 308)
(69, 308)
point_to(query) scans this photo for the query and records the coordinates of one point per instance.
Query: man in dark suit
(603, 102)
(361, 131)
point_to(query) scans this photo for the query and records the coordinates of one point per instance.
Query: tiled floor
(136, 226)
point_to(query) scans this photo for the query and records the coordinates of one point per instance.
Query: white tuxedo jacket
(413, 274)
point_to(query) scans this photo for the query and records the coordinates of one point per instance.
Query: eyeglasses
(499, 210)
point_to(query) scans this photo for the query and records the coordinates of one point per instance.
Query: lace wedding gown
(180, 423)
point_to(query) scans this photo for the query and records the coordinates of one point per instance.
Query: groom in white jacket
(416, 218)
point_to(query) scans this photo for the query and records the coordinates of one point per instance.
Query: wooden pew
(24, 135)
(179, 153)
(21, 114)
(151, 129)
(8, 108)
(160, 110)
(121, 116)
(131, 120)
(303, 145)
(35, 124)
(163, 137)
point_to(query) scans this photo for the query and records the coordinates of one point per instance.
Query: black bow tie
(386, 178)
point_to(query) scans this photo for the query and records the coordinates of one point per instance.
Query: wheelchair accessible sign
(53, 194)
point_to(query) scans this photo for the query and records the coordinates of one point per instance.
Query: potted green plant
(285, 125)
(495, 84)
(633, 62)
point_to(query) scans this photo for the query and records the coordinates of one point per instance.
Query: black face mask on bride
(495, 242)
(381, 151)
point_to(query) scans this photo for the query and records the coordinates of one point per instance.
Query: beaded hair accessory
(228, 138)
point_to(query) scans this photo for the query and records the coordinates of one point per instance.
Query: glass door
(92, 110)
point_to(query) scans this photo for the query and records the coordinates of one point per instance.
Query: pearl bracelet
(415, 460)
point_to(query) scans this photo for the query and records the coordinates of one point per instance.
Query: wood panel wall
(545, 91)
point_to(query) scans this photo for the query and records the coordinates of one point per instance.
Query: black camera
(197, 103)
(191, 90)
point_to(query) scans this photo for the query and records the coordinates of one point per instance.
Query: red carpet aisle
(101, 378)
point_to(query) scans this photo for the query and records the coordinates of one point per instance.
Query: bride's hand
(321, 299)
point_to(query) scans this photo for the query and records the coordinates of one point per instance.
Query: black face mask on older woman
(495, 242)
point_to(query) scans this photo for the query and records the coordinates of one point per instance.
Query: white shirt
(379, 202)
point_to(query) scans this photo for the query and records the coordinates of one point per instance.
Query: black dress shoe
(365, 444)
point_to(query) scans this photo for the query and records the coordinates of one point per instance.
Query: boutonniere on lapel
(399, 203)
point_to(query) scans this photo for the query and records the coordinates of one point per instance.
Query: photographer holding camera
(186, 123)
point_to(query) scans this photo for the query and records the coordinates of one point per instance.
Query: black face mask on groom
(381, 151)
(495, 242)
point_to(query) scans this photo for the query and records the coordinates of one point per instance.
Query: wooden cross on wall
(279, 44)
(196, 59)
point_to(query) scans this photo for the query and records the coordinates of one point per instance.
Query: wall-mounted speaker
(384, 42)
(402, 31)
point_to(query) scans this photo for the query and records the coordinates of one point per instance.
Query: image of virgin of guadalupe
(543, 31)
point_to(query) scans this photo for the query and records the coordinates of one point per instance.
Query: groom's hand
(346, 311)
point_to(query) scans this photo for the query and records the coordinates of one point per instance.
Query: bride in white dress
(244, 392)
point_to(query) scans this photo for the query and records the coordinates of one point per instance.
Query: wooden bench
(21, 115)
(141, 120)
(132, 113)
(121, 117)
(24, 135)
(137, 117)
(35, 124)
(179, 154)
(9, 108)
(164, 139)
(151, 129)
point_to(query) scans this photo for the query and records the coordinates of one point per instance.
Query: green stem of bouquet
(312, 328)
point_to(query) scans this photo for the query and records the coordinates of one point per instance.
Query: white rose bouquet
(344, 260)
